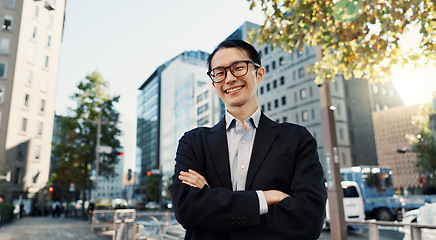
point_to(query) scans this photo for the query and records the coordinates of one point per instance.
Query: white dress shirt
(240, 144)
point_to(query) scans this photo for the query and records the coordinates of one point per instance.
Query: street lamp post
(97, 153)
(338, 227)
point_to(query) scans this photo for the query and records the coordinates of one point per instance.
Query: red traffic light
(121, 153)
(50, 189)
(148, 173)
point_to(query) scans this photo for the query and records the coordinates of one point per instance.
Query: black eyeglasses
(238, 69)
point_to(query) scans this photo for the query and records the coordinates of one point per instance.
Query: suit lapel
(265, 135)
(220, 153)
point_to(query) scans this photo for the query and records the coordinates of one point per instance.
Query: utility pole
(338, 228)
(97, 153)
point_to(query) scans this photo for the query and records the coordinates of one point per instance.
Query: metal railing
(129, 224)
(373, 227)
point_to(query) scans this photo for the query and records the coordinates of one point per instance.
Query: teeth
(233, 90)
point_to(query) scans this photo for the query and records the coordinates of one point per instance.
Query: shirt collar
(255, 117)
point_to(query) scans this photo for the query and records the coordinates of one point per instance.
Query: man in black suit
(247, 177)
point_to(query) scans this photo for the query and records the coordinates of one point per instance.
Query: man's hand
(274, 196)
(193, 179)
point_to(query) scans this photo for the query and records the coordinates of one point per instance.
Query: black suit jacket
(284, 157)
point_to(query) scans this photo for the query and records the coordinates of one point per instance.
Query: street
(39, 228)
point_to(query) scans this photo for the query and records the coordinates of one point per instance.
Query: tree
(358, 38)
(77, 135)
(424, 144)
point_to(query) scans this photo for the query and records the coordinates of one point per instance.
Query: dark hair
(247, 48)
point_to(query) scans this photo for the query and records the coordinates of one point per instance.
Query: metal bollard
(373, 230)
(415, 232)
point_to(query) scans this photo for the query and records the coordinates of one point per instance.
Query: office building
(177, 97)
(289, 94)
(393, 149)
(30, 40)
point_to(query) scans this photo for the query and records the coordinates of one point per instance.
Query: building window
(375, 88)
(36, 11)
(301, 72)
(281, 61)
(268, 87)
(296, 118)
(283, 100)
(18, 176)
(276, 103)
(47, 59)
(202, 109)
(2, 94)
(275, 84)
(266, 50)
(294, 76)
(7, 22)
(44, 84)
(42, 105)
(202, 96)
(303, 93)
(31, 56)
(305, 116)
(26, 100)
(24, 124)
(203, 121)
(377, 107)
(274, 65)
(5, 44)
(285, 119)
(261, 90)
(267, 68)
(282, 80)
(29, 77)
(34, 32)
(10, 4)
(48, 41)
(2, 70)
(37, 151)
(341, 133)
(313, 113)
(40, 128)
(262, 108)
(269, 106)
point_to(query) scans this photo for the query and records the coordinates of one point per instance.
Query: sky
(127, 40)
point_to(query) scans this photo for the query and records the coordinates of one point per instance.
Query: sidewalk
(48, 228)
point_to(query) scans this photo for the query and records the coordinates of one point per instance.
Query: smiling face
(237, 92)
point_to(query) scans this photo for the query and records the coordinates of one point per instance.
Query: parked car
(152, 205)
(353, 203)
(425, 215)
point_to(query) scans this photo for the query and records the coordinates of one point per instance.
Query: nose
(229, 76)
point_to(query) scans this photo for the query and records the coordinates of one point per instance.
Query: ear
(260, 74)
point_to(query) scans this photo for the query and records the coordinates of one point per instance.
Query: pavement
(49, 228)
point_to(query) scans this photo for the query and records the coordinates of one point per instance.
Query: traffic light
(50, 190)
(129, 174)
(148, 173)
(420, 179)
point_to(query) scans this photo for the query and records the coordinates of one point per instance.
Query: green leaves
(360, 38)
(75, 149)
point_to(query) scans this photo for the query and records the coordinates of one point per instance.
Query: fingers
(193, 179)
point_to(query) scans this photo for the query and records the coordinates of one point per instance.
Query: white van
(353, 203)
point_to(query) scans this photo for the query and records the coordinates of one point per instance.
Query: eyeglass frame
(209, 73)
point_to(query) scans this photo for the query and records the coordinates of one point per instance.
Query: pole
(97, 157)
(338, 228)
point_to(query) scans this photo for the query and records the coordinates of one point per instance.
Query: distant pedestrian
(91, 207)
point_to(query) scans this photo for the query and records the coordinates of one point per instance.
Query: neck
(242, 112)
